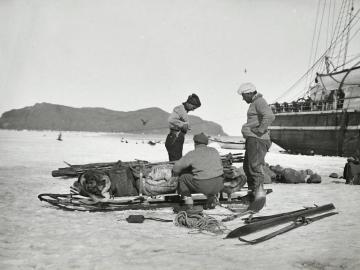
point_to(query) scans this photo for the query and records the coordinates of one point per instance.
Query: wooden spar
(76, 170)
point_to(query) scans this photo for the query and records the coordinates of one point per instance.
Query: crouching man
(200, 171)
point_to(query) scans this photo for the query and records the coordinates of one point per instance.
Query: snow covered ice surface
(34, 235)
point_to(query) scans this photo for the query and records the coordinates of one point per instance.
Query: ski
(259, 218)
(264, 224)
(299, 222)
(241, 214)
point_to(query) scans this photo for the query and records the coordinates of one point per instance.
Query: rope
(348, 33)
(342, 46)
(344, 16)
(328, 24)
(337, 27)
(200, 222)
(313, 39)
(320, 27)
(344, 50)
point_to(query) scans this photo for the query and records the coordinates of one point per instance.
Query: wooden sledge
(72, 202)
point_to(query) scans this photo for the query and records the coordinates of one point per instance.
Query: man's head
(201, 138)
(192, 102)
(248, 91)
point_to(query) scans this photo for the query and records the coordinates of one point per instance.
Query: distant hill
(46, 116)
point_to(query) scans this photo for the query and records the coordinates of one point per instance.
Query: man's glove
(257, 131)
(184, 128)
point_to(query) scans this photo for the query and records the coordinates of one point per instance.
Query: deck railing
(306, 106)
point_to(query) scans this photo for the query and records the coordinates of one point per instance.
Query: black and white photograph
(180, 134)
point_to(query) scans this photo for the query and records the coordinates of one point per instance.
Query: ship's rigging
(338, 31)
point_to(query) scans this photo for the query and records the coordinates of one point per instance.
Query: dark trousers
(255, 151)
(209, 187)
(174, 144)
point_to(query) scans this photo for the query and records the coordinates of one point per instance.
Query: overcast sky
(131, 54)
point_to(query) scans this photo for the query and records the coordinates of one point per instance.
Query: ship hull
(332, 133)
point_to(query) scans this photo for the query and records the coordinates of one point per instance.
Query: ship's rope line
(346, 74)
(342, 38)
(328, 24)
(355, 33)
(301, 78)
(342, 43)
(303, 95)
(349, 61)
(342, 47)
(354, 56)
(343, 50)
(333, 25)
(337, 26)
(348, 33)
(333, 19)
(351, 9)
(323, 64)
(320, 58)
(313, 40)
(329, 30)
(339, 49)
(318, 37)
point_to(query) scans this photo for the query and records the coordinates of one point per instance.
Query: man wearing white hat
(255, 131)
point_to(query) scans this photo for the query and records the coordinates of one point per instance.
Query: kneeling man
(200, 171)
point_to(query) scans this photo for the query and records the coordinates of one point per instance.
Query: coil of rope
(200, 222)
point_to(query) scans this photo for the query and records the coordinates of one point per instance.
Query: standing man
(255, 132)
(200, 171)
(179, 126)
